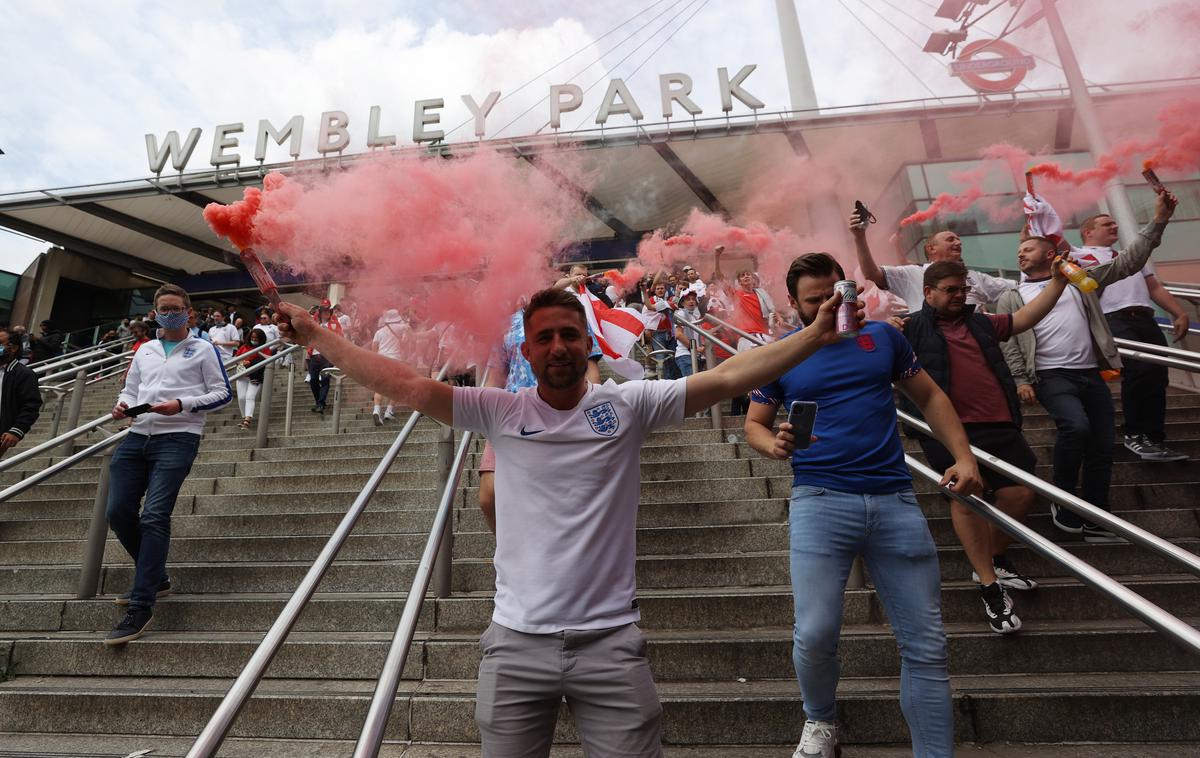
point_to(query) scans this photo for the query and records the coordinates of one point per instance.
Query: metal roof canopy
(648, 176)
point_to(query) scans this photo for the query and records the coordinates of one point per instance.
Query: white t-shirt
(1123, 293)
(225, 333)
(391, 337)
(1064, 339)
(908, 283)
(699, 287)
(567, 490)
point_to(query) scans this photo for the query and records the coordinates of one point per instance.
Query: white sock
(390, 411)
(376, 411)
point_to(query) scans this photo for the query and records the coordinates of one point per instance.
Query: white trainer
(818, 741)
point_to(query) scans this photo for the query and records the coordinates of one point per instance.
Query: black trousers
(1143, 385)
(318, 383)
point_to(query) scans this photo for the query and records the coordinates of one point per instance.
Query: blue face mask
(174, 320)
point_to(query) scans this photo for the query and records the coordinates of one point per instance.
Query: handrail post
(715, 411)
(58, 412)
(337, 402)
(77, 398)
(443, 564)
(93, 551)
(291, 389)
(264, 402)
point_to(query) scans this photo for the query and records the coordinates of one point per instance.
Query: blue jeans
(828, 529)
(684, 362)
(154, 466)
(1082, 408)
(665, 340)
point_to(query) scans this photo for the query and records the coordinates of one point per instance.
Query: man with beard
(565, 597)
(852, 495)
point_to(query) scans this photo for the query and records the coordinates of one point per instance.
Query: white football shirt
(1123, 293)
(1063, 337)
(567, 490)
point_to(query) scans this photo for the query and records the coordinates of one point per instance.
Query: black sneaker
(1098, 535)
(1067, 521)
(163, 590)
(999, 608)
(132, 626)
(378, 419)
(1007, 575)
(1164, 454)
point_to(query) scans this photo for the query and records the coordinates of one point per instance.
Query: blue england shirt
(857, 448)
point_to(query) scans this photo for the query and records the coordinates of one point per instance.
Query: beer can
(847, 321)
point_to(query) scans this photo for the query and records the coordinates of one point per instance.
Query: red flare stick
(258, 272)
(1154, 181)
(1029, 183)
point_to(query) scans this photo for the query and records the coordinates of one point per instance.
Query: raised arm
(1138, 252)
(752, 369)
(870, 269)
(384, 375)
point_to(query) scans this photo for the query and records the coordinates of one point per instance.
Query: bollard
(337, 402)
(443, 563)
(93, 550)
(77, 398)
(712, 363)
(857, 579)
(291, 388)
(264, 402)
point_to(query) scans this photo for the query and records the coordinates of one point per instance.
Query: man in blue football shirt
(852, 495)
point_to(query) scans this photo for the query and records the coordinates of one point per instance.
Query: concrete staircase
(714, 589)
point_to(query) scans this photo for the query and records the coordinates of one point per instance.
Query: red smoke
(626, 280)
(461, 239)
(943, 204)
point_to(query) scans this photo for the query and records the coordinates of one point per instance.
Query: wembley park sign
(334, 136)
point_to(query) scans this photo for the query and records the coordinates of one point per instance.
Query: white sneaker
(818, 741)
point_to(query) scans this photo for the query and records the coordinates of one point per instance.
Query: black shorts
(1002, 440)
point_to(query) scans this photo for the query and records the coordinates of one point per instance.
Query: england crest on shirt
(603, 419)
(189, 351)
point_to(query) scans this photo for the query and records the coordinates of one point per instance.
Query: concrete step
(687, 608)
(1041, 708)
(865, 651)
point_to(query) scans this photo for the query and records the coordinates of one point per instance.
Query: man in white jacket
(180, 378)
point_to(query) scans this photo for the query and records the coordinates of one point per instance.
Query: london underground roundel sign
(991, 56)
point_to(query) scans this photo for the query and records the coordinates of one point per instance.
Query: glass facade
(992, 227)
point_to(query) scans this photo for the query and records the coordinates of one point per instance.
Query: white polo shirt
(567, 491)
(908, 282)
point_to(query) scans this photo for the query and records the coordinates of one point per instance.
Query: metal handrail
(1185, 292)
(371, 737)
(741, 333)
(1162, 360)
(75, 355)
(1136, 534)
(1153, 615)
(1187, 355)
(695, 327)
(239, 692)
(74, 370)
(17, 488)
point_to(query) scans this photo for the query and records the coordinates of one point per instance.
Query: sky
(86, 81)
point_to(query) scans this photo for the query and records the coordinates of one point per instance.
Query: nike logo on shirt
(529, 434)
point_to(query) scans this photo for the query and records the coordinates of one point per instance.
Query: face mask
(174, 320)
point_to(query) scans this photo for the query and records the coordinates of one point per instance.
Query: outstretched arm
(751, 370)
(386, 376)
(870, 269)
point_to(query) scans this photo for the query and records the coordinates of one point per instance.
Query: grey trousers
(604, 675)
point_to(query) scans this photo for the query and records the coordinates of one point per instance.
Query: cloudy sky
(86, 81)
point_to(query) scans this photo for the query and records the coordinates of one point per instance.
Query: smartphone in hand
(802, 414)
(137, 410)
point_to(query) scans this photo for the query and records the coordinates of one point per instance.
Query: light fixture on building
(940, 42)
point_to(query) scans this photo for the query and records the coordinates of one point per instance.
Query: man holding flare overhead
(566, 606)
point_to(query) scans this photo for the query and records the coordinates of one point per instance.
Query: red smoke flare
(626, 280)
(235, 221)
(945, 203)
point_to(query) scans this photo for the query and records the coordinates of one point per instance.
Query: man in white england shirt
(566, 607)
(908, 281)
